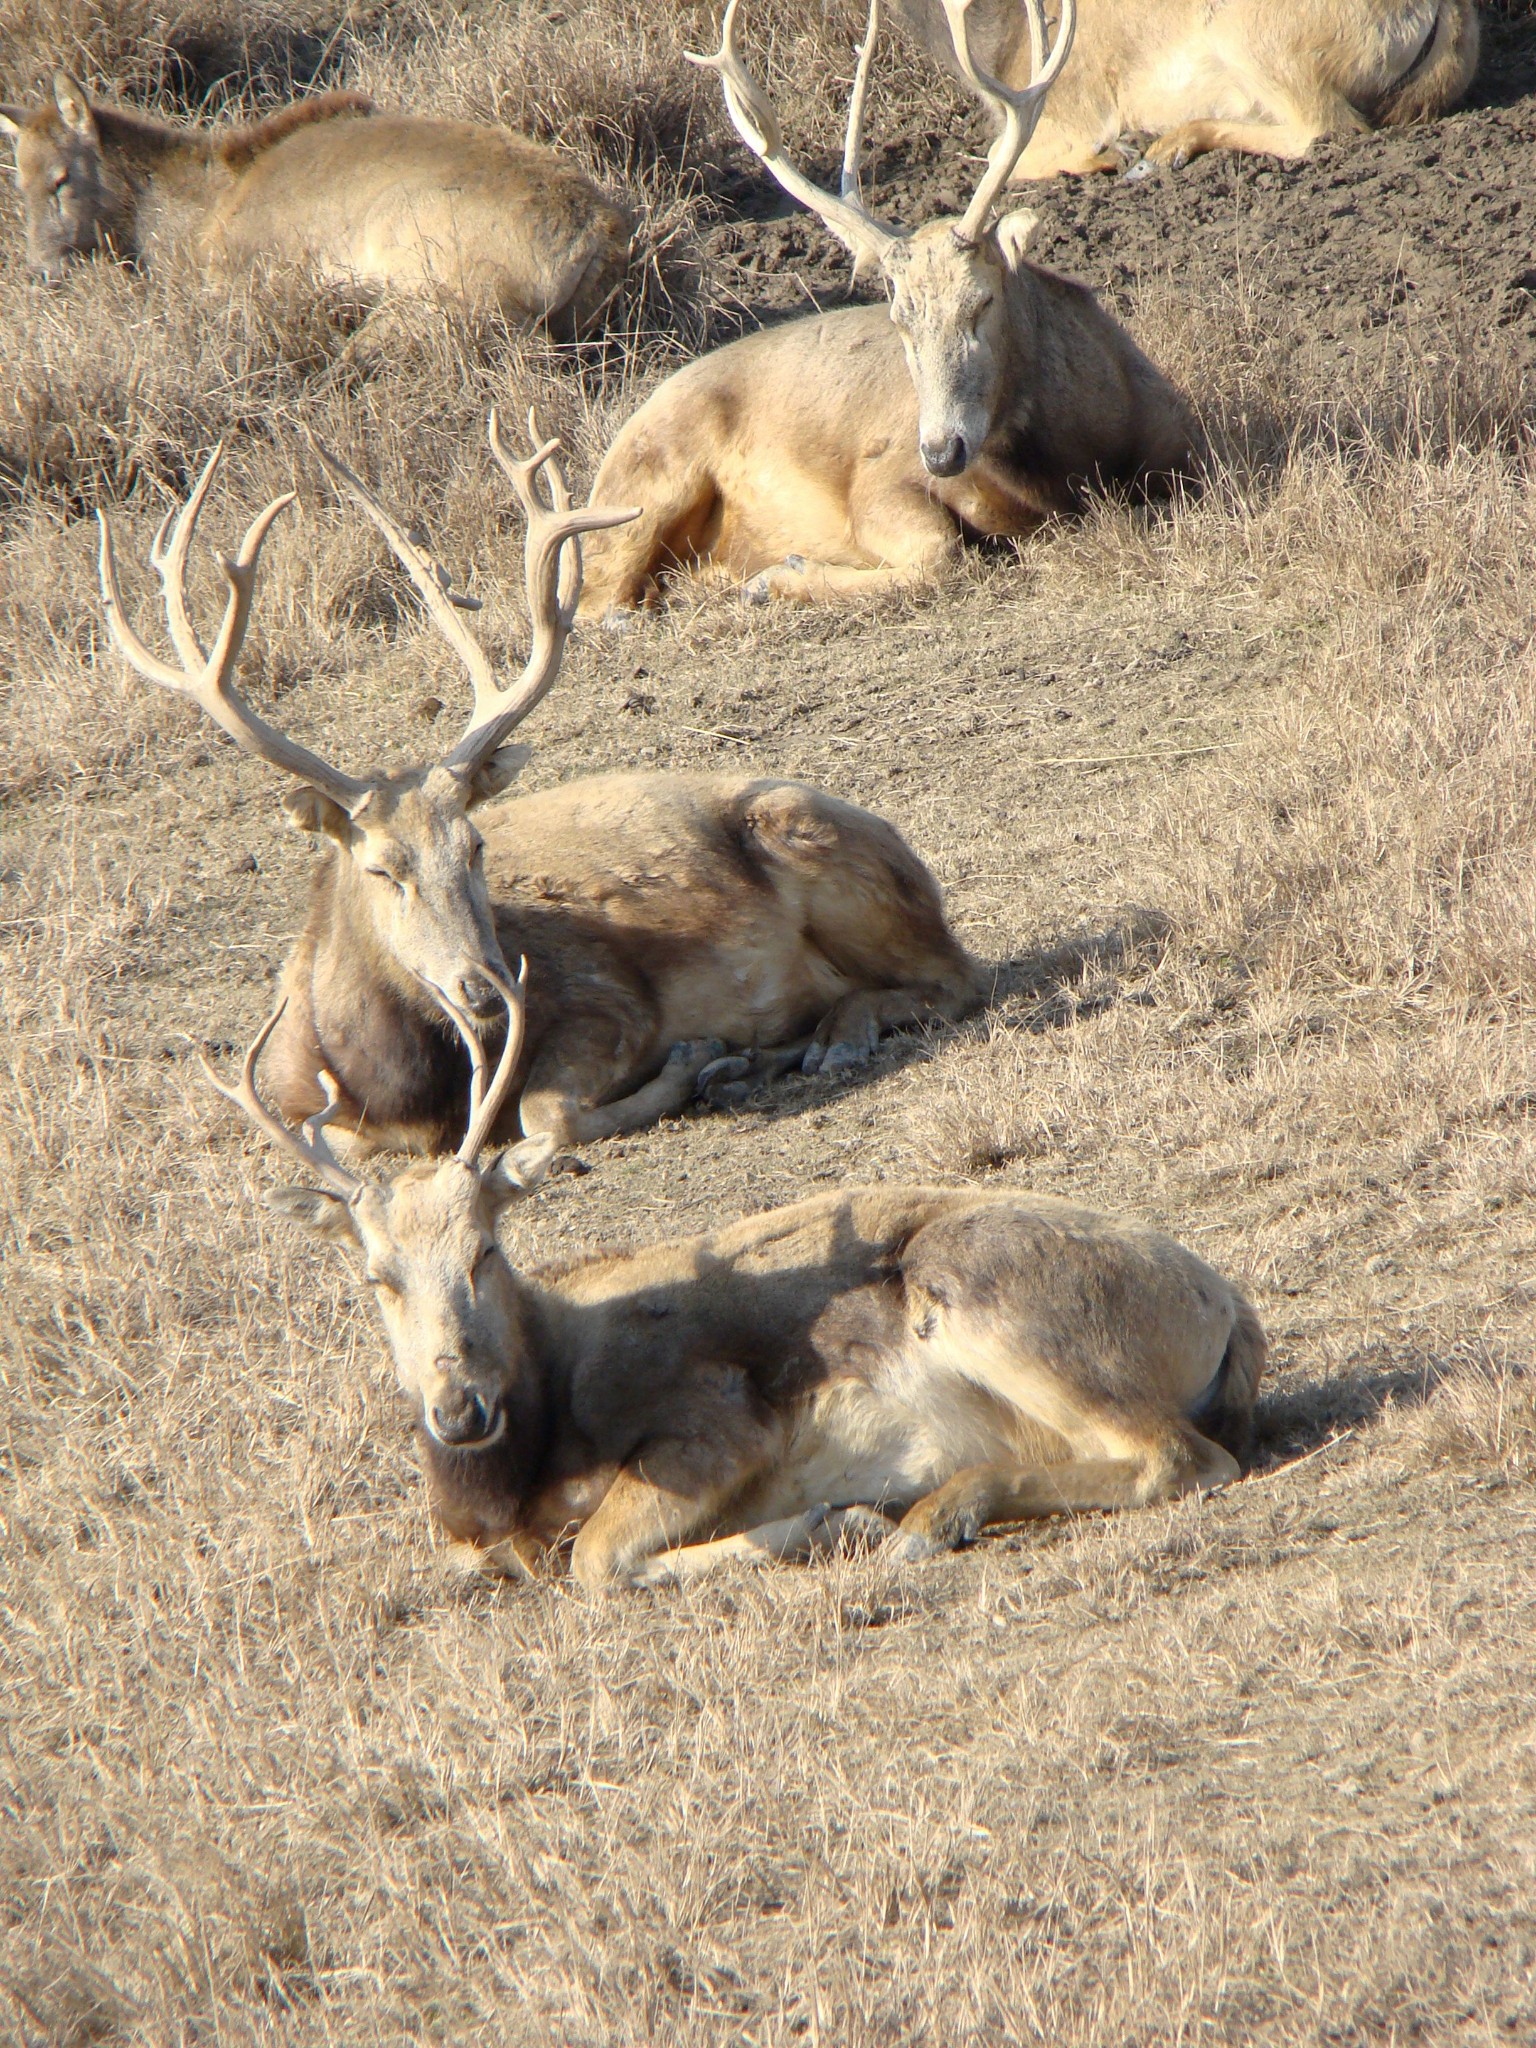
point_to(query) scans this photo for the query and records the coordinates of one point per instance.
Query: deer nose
(459, 1417)
(944, 458)
(477, 994)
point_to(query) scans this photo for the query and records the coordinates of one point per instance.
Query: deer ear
(69, 96)
(497, 773)
(1014, 233)
(519, 1170)
(310, 810)
(313, 1209)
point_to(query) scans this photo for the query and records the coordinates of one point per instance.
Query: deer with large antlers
(851, 451)
(946, 1356)
(685, 930)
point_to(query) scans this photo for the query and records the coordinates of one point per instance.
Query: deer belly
(752, 994)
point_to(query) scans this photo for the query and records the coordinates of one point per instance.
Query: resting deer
(669, 918)
(951, 1357)
(397, 200)
(850, 452)
(1269, 77)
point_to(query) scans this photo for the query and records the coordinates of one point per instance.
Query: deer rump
(949, 1357)
(665, 918)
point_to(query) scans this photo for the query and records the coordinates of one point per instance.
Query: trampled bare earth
(1238, 802)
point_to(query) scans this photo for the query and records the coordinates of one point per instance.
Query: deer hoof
(617, 620)
(734, 1067)
(796, 562)
(844, 1056)
(1137, 171)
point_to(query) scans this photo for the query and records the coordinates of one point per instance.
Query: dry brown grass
(1239, 802)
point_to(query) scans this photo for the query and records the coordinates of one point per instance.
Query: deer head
(946, 280)
(67, 197)
(408, 849)
(452, 1307)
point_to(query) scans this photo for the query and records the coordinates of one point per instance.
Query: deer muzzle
(460, 1419)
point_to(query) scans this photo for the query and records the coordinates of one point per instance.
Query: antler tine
(753, 117)
(1020, 110)
(486, 1103)
(551, 610)
(311, 1148)
(560, 498)
(170, 563)
(208, 679)
(851, 185)
(431, 586)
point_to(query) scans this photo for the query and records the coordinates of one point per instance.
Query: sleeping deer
(944, 1356)
(850, 452)
(1248, 75)
(687, 931)
(398, 200)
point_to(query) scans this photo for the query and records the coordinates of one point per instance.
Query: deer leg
(1173, 1462)
(1296, 121)
(1058, 151)
(732, 1079)
(624, 566)
(905, 537)
(674, 1488)
(790, 1541)
(848, 1034)
(558, 1103)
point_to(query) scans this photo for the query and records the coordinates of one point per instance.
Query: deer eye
(483, 1258)
(384, 875)
(386, 1283)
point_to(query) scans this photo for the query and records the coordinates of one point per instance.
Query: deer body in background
(483, 215)
(851, 451)
(944, 1355)
(671, 918)
(1249, 75)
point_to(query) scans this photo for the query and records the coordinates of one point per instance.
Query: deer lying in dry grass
(668, 917)
(952, 1357)
(850, 451)
(1270, 77)
(492, 218)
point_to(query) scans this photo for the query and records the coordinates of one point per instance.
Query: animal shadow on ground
(1042, 990)
(1293, 1420)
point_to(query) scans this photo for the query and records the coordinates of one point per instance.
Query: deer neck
(147, 166)
(375, 1027)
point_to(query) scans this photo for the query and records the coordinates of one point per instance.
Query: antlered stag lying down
(416, 205)
(1270, 77)
(951, 1357)
(669, 917)
(851, 451)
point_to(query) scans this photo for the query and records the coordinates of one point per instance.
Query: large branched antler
(844, 214)
(1017, 111)
(552, 584)
(311, 1147)
(208, 679)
